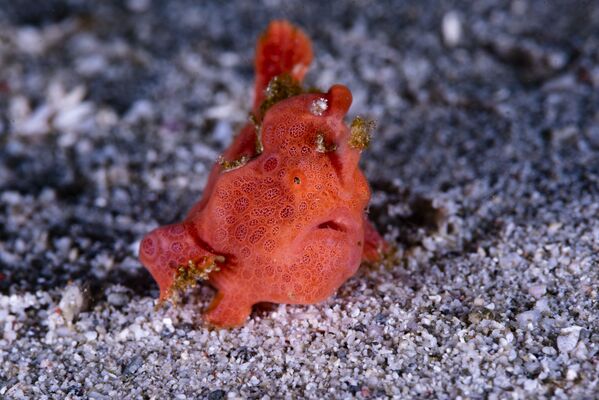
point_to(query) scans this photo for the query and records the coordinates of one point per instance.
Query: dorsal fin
(282, 49)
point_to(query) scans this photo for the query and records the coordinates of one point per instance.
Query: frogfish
(282, 218)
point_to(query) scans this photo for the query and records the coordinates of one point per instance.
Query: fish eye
(297, 179)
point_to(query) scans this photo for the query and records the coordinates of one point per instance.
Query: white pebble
(138, 5)
(527, 318)
(72, 302)
(30, 40)
(537, 291)
(36, 123)
(568, 338)
(451, 27)
(542, 305)
(254, 381)
(141, 110)
(73, 118)
(571, 374)
(530, 385)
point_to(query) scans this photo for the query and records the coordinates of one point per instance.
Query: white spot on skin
(319, 106)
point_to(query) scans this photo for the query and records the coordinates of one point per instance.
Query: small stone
(342, 354)
(30, 40)
(141, 110)
(571, 374)
(554, 227)
(532, 367)
(530, 385)
(117, 299)
(451, 28)
(138, 6)
(559, 135)
(527, 318)
(73, 118)
(537, 291)
(254, 381)
(74, 300)
(542, 305)
(134, 364)
(592, 133)
(217, 395)
(568, 339)
(581, 351)
(98, 396)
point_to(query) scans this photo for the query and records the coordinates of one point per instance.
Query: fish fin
(176, 259)
(375, 247)
(227, 311)
(282, 49)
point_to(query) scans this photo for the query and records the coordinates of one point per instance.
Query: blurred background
(112, 112)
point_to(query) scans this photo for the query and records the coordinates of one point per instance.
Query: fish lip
(332, 225)
(339, 220)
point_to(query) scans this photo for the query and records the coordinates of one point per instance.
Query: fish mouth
(338, 221)
(332, 225)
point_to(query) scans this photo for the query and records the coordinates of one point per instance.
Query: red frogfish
(282, 218)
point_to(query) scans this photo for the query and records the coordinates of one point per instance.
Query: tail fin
(282, 48)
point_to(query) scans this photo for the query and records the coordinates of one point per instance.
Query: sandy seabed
(484, 169)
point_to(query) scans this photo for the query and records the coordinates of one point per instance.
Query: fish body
(282, 218)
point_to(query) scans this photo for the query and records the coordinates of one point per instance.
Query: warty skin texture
(284, 222)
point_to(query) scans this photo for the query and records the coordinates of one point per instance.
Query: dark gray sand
(484, 167)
